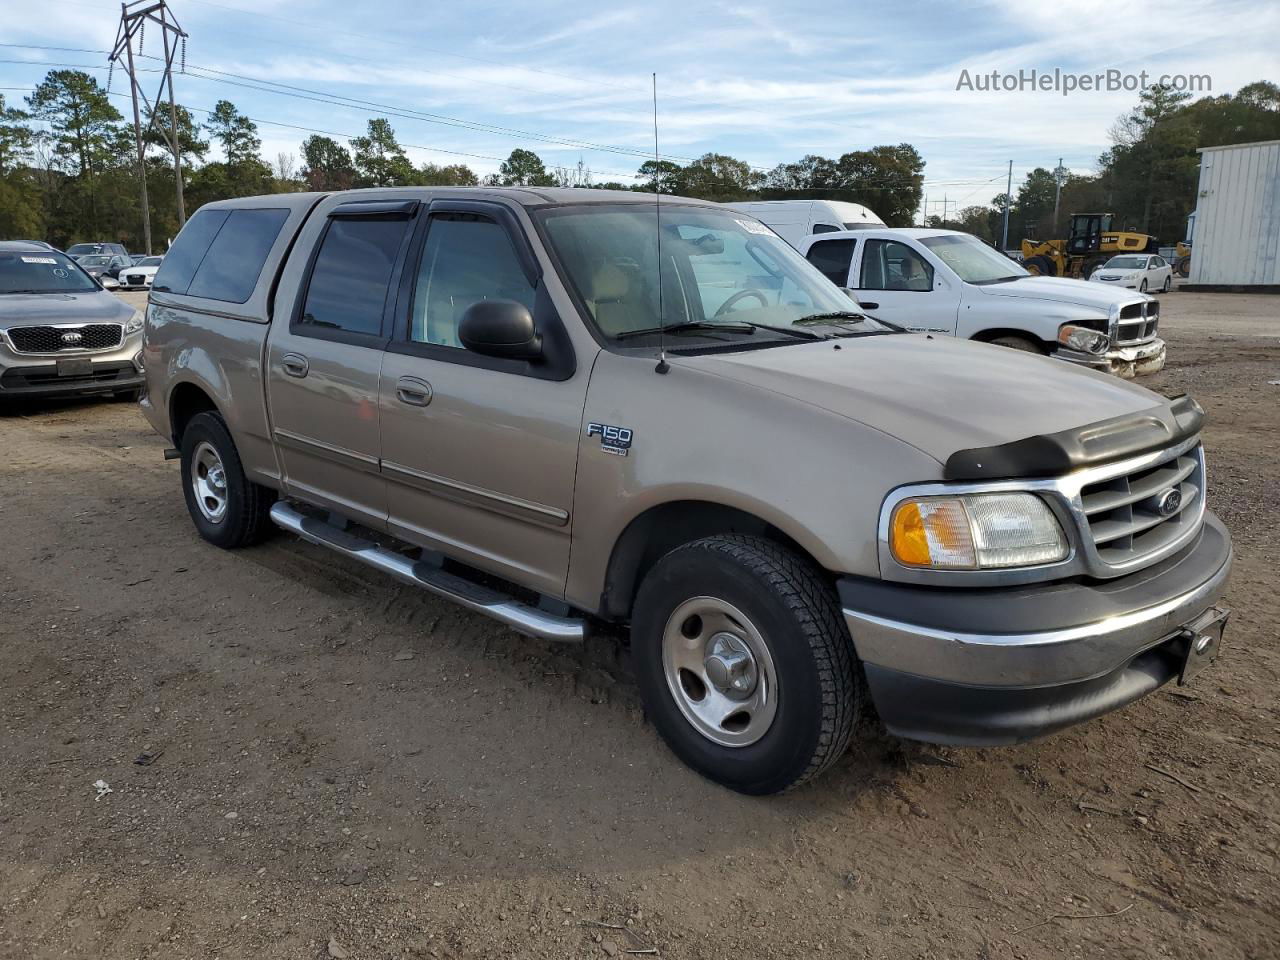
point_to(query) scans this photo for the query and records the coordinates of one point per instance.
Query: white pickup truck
(944, 281)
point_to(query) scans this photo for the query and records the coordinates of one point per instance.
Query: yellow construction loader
(1091, 244)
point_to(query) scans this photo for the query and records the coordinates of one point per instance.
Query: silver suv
(61, 334)
(560, 407)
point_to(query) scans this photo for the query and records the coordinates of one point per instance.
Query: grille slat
(1123, 515)
(55, 339)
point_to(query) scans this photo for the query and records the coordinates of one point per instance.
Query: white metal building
(1237, 218)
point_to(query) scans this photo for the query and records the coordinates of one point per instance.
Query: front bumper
(114, 370)
(1127, 362)
(994, 666)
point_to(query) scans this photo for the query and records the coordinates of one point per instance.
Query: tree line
(1148, 177)
(69, 168)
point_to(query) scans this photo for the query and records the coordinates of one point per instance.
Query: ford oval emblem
(1169, 502)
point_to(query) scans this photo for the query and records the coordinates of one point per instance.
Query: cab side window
(467, 258)
(351, 276)
(833, 258)
(891, 265)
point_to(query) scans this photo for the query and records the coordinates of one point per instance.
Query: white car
(1136, 271)
(140, 275)
(947, 282)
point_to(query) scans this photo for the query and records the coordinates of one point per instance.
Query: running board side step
(521, 617)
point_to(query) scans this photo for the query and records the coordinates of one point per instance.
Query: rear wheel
(1042, 265)
(227, 508)
(745, 663)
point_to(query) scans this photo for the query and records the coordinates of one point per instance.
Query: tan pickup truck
(561, 407)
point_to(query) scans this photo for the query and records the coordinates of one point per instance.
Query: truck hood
(1060, 290)
(91, 306)
(938, 394)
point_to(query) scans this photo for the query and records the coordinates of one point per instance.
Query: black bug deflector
(1054, 454)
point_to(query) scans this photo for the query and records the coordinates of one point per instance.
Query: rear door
(834, 258)
(479, 453)
(323, 362)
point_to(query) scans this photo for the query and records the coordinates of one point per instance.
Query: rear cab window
(833, 258)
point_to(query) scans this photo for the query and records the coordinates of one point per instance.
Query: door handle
(869, 304)
(295, 365)
(415, 392)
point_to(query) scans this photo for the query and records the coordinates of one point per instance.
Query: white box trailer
(1237, 218)
(793, 220)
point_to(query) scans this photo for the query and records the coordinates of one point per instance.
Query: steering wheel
(741, 295)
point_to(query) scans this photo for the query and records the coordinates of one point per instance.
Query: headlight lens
(1082, 339)
(983, 530)
(135, 323)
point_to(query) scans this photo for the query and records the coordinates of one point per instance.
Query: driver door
(899, 282)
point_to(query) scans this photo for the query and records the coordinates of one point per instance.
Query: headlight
(1130, 276)
(134, 324)
(1082, 339)
(982, 530)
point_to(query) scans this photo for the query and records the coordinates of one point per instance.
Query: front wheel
(745, 664)
(1142, 287)
(1168, 284)
(1025, 344)
(228, 509)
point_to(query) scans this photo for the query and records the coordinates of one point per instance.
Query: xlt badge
(614, 440)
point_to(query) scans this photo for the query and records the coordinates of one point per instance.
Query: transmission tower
(133, 23)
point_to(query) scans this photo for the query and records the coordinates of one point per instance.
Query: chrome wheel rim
(720, 672)
(209, 482)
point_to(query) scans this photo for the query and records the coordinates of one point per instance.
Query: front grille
(15, 378)
(1124, 516)
(135, 279)
(51, 339)
(1138, 322)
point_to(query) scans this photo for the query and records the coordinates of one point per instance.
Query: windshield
(723, 277)
(1126, 263)
(77, 249)
(972, 260)
(96, 261)
(41, 273)
(149, 262)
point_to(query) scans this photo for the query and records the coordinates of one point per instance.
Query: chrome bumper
(1126, 362)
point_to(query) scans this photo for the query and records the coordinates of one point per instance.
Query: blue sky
(764, 82)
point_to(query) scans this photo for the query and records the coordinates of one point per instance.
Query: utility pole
(1004, 235)
(1059, 178)
(924, 211)
(133, 21)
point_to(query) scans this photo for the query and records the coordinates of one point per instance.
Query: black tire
(1090, 266)
(244, 518)
(1168, 283)
(1025, 344)
(1184, 267)
(1142, 287)
(1042, 266)
(793, 608)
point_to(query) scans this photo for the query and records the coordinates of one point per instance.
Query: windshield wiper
(1009, 279)
(834, 315)
(688, 326)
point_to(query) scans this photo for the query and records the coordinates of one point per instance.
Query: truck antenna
(662, 366)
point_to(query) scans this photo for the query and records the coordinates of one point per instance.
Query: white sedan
(1140, 272)
(140, 275)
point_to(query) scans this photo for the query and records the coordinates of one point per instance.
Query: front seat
(614, 304)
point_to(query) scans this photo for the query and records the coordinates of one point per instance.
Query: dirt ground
(346, 767)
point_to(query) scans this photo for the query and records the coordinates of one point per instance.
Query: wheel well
(986, 336)
(660, 530)
(185, 402)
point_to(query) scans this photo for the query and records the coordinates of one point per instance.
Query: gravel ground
(305, 759)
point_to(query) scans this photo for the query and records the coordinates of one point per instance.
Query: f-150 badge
(614, 440)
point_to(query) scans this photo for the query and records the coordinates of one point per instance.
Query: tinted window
(825, 228)
(230, 269)
(890, 265)
(833, 257)
(184, 257)
(467, 258)
(351, 275)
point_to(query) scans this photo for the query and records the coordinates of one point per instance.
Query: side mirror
(500, 328)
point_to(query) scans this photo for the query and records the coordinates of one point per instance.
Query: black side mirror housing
(500, 328)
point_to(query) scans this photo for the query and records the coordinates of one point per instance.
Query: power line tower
(133, 23)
